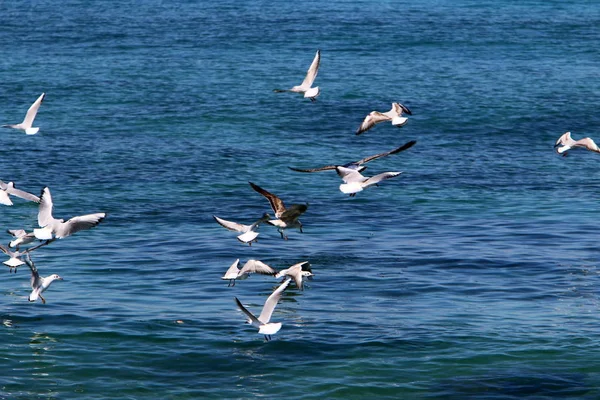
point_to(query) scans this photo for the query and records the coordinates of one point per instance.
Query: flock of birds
(284, 218)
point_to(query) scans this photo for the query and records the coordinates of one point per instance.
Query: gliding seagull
(297, 272)
(39, 284)
(262, 322)
(568, 143)
(27, 123)
(354, 182)
(249, 233)
(394, 115)
(358, 165)
(305, 87)
(286, 217)
(52, 228)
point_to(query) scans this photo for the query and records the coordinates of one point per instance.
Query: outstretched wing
(256, 267)
(311, 74)
(325, 168)
(293, 212)
(350, 175)
(380, 177)
(371, 120)
(251, 317)
(79, 223)
(45, 210)
(276, 203)
(271, 303)
(11, 189)
(32, 112)
(405, 146)
(232, 226)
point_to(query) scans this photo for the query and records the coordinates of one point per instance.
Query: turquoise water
(471, 276)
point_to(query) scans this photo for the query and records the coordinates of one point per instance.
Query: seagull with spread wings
(306, 85)
(250, 267)
(39, 284)
(358, 165)
(567, 143)
(355, 182)
(297, 272)
(27, 123)
(394, 115)
(285, 217)
(248, 232)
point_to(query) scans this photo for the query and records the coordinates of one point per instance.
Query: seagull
(29, 117)
(354, 182)
(21, 237)
(305, 87)
(51, 228)
(286, 217)
(262, 322)
(249, 233)
(39, 284)
(568, 143)
(296, 272)
(7, 189)
(250, 267)
(394, 115)
(15, 256)
(358, 165)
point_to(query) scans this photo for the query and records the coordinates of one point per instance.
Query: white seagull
(568, 143)
(354, 182)
(358, 165)
(39, 284)
(52, 228)
(249, 233)
(7, 189)
(21, 237)
(394, 115)
(27, 123)
(286, 217)
(262, 322)
(15, 256)
(250, 267)
(306, 85)
(296, 272)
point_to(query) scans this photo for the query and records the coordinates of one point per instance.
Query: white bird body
(51, 228)
(394, 115)
(39, 284)
(306, 85)
(567, 143)
(250, 267)
(27, 123)
(9, 188)
(296, 272)
(21, 237)
(285, 217)
(265, 327)
(355, 182)
(248, 232)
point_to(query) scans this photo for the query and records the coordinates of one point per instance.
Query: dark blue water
(473, 275)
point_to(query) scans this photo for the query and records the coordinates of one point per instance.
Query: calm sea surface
(474, 275)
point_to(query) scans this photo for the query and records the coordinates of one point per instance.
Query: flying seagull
(286, 217)
(21, 237)
(354, 182)
(250, 267)
(7, 189)
(249, 233)
(568, 143)
(296, 272)
(306, 85)
(358, 165)
(262, 322)
(52, 228)
(394, 115)
(15, 261)
(39, 284)
(27, 123)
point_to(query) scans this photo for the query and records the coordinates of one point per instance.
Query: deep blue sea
(473, 275)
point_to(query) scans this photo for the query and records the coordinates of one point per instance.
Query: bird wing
(18, 233)
(405, 146)
(272, 300)
(256, 267)
(6, 251)
(311, 74)
(380, 177)
(45, 210)
(11, 189)
(276, 203)
(251, 317)
(293, 212)
(31, 113)
(295, 272)
(371, 120)
(350, 175)
(398, 109)
(79, 223)
(325, 168)
(232, 226)
(35, 275)
(233, 269)
(565, 140)
(588, 143)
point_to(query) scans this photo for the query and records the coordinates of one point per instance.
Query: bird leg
(352, 194)
(43, 300)
(312, 99)
(267, 337)
(300, 227)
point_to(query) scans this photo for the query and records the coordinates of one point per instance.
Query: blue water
(474, 275)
